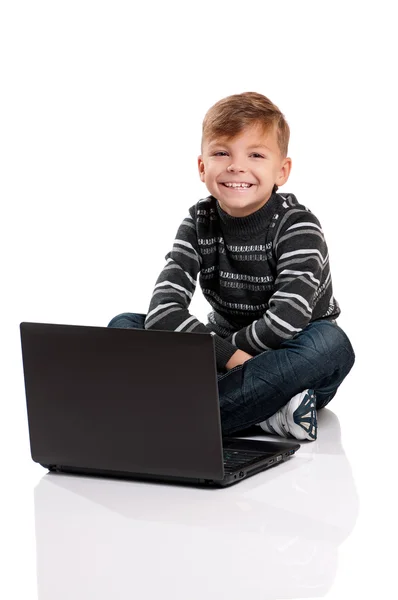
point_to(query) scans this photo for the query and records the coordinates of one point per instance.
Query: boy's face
(252, 157)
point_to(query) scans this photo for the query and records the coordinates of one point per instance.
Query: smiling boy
(263, 266)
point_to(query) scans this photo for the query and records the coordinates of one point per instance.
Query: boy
(263, 266)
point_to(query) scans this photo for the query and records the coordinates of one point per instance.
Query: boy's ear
(284, 172)
(201, 168)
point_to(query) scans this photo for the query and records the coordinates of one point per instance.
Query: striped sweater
(266, 276)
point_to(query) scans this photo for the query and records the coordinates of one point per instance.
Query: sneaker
(296, 419)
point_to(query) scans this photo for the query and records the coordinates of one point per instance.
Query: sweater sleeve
(174, 289)
(302, 277)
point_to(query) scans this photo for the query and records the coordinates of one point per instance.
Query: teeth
(235, 185)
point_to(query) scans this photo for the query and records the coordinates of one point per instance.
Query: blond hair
(229, 116)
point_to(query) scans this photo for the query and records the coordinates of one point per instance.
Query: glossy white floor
(321, 525)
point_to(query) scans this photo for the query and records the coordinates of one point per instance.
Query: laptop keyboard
(235, 459)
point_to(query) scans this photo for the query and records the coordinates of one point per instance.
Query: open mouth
(238, 188)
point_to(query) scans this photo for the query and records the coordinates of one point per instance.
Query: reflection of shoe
(296, 419)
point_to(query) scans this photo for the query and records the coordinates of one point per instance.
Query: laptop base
(269, 460)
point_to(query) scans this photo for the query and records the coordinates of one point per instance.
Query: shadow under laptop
(276, 533)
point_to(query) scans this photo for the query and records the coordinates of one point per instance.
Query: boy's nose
(235, 167)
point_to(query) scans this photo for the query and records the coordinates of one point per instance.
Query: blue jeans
(319, 357)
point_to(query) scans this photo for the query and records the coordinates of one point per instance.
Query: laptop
(133, 403)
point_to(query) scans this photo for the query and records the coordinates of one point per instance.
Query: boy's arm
(302, 278)
(174, 290)
(237, 359)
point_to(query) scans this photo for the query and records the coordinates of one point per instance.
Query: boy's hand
(237, 359)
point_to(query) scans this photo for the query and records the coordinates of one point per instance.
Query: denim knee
(334, 343)
(128, 321)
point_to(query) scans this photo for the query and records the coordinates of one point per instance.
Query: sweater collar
(252, 224)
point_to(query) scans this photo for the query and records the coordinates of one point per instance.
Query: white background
(101, 108)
